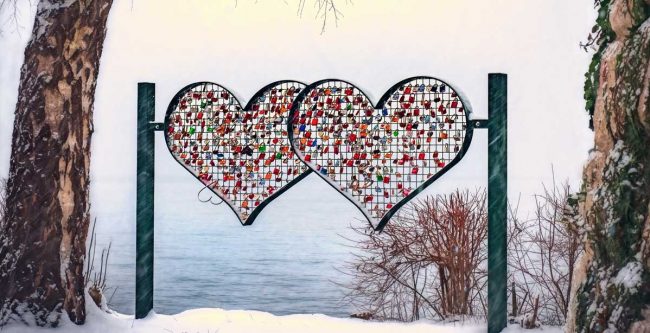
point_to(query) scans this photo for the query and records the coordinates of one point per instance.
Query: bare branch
(429, 262)
(325, 10)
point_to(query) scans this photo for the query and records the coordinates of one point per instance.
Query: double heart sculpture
(378, 156)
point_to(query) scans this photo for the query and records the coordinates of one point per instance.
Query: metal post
(144, 201)
(497, 201)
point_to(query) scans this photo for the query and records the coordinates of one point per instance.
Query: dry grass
(96, 279)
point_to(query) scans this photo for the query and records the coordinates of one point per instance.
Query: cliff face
(613, 277)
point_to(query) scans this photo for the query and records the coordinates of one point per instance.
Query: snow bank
(240, 321)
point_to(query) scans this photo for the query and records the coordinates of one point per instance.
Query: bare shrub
(428, 262)
(542, 254)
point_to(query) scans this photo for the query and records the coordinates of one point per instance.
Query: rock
(621, 128)
(642, 326)
(363, 315)
(620, 18)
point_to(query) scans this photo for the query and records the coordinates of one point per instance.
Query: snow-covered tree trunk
(43, 233)
(613, 277)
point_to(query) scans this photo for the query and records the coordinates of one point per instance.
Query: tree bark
(613, 276)
(46, 219)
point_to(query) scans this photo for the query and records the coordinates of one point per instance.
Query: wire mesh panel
(242, 155)
(380, 157)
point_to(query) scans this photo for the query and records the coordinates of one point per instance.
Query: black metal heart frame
(295, 120)
(198, 150)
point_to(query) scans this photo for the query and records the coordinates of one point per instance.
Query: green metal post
(497, 201)
(144, 201)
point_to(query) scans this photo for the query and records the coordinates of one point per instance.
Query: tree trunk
(613, 276)
(43, 234)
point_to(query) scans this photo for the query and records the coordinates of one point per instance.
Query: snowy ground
(240, 321)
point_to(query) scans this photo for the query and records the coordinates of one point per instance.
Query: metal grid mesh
(244, 156)
(379, 156)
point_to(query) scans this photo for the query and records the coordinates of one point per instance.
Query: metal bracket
(157, 126)
(479, 123)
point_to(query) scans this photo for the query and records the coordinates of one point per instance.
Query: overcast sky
(244, 45)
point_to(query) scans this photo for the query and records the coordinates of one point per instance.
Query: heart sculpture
(380, 157)
(242, 155)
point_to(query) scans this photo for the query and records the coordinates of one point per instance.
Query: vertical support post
(497, 201)
(144, 201)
